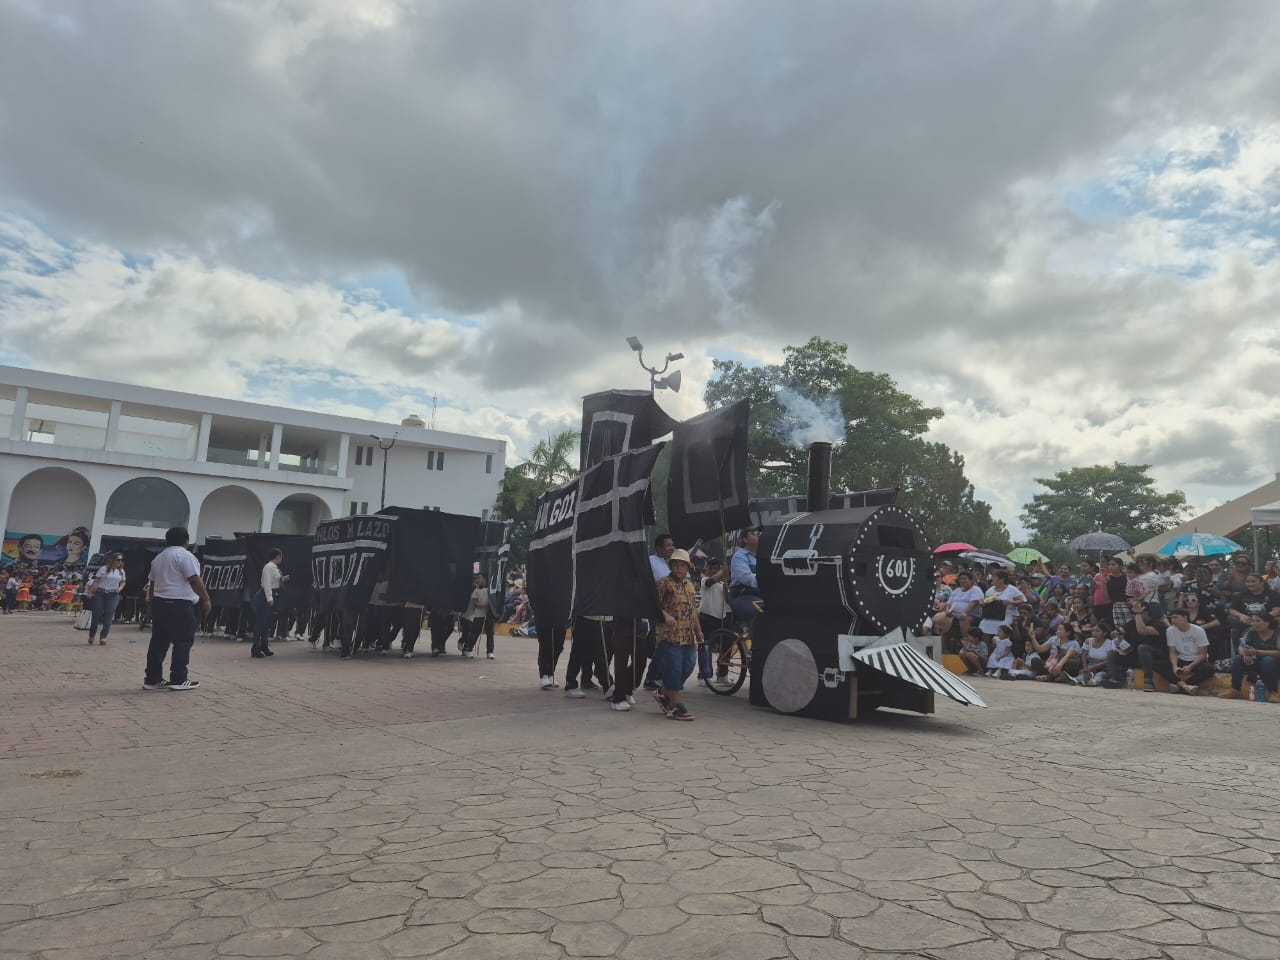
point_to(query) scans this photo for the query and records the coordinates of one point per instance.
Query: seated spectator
(1254, 598)
(1186, 664)
(974, 651)
(1094, 654)
(1208, 616)
(1271, 571)
(956, 616)
(1063, 662)
(1080, 613)
(1258, 658)
(1143, 628)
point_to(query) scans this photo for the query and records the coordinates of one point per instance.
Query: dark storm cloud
(538, 155)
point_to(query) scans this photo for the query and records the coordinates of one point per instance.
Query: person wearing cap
(744, 588)
(679, 634)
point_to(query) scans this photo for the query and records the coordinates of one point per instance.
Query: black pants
(1153, 662)
(630, 651)
(412, 621)
(173, 625)
(589, 654)
(441, 624)
(471, 634)
(550, 646)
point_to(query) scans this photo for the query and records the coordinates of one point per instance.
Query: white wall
(461, 487)
(52, 501)
(229, 510)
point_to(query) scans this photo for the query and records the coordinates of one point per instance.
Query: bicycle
(729, 649)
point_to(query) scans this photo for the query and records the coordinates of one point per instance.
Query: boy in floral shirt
(679, 634)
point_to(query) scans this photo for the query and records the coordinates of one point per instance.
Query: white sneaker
(576, 694)
(408, 655)
(547, 683)
(184, 685)
(621, 706)
(469, 655)
(608, 694)
(631, 700)
(490, 656)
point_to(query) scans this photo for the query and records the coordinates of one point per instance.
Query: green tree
(1120, 498)
(883, 432)
(551, 462)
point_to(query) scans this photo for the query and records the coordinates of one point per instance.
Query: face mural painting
(42, 549)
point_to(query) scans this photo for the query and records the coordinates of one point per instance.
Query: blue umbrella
(1199, 545)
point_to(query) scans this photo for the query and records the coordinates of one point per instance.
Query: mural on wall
(42, 549)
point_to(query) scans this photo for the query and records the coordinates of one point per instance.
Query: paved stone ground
(380, 808)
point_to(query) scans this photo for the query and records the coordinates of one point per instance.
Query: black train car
(840, 587)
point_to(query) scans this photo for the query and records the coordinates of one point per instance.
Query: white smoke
(804, 421)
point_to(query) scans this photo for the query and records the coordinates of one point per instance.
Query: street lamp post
(384, 446)
(656, 379)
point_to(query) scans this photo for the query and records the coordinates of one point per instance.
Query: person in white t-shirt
(1095, 651)
(1188, 664)
(963, 604)
(104, 593)
(174, 588)
(1004, 595)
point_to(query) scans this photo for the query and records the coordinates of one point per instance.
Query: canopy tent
(1267, 515)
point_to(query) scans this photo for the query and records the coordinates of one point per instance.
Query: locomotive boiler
(844, 593)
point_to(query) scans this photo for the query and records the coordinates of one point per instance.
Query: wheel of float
(730, 662)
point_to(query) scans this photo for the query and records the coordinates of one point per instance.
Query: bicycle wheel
(730, 662)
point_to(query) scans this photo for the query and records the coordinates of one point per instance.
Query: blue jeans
(104, 611)
(1268, 666)
(745, 609)
(173, 624)
(677, 664)
(261, 621)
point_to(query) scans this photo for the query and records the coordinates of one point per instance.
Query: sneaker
(468, 655)
(680, 712)
(185, 685)
(1175, 688)
(589, 686)
(576, 694)
(490, 656)
(1110, 684)
(1231, 694)
(631, 700)
(91, 639)
(621, 706)
(661, 699)
(1149, 688)
(408, 654)
(311, 644)
(158, 685)
(547, 683)
(345, 656)
(608, 694)
(437, 653)
(1190, 689)
(650, 685)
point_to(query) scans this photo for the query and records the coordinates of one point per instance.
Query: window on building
(488, 463)
(355, 508)
(359, 455)
(148, 502)
(440, 460)
(431, 459)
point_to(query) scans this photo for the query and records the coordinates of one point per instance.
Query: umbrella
(1198, 545)
(953, 548)
(1026, 555)
(987, 558)
(1099, 541)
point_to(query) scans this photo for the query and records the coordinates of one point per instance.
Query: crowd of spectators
(41, 586)
(1184, 620)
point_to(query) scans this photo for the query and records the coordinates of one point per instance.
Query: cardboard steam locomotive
(844, 593)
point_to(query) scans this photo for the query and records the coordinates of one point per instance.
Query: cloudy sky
(1056, 220)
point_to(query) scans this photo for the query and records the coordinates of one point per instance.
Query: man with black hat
(744, 588)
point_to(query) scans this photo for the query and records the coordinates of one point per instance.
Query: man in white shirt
(173, 588)
(1188, 664)
(264, 602)
(964, 601)
(11, 586)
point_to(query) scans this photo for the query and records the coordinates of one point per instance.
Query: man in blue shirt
(744, 588)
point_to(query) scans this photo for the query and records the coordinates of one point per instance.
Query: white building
(128, 462)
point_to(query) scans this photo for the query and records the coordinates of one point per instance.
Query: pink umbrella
(953, 548)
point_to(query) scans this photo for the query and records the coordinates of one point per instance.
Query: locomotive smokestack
(819, 475)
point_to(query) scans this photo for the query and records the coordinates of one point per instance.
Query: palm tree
(551, 461)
